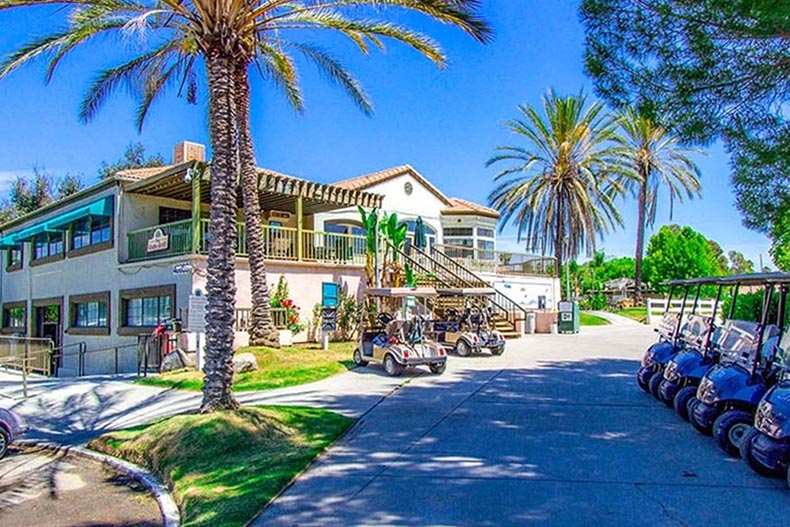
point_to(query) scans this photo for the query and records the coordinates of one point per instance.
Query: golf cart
(728, 394)
(766, 447)
(471, 330)
(656, 357)
(701, 343)
(397, 339)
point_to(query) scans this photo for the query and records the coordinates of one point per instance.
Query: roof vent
(186, 151)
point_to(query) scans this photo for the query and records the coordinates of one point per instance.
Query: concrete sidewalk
(553, 433)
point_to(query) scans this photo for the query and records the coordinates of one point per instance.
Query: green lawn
(588, 319)
(637, 313)
(224, 467)
(277, 368)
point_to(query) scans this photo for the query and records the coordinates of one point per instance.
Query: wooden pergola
(187, 182)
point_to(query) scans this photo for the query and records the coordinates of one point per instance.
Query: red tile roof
(460, 207)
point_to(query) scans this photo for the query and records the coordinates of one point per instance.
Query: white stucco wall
(304, 285)
(421, 202)
(525, 290)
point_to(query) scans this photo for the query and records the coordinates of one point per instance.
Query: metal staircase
(439, 270)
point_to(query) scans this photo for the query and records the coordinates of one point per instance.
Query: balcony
(279, 243)
(499, 262)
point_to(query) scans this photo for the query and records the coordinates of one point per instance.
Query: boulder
(175, 360)
(244, 362)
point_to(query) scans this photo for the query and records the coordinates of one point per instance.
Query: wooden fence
(657, 306)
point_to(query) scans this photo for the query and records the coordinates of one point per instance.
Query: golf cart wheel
(5, 439)
(462, 348)
(643, 377)
(438, 367)
(661, 397)
(392, 367)
(699, 427)
(748, 456)
(358, 360)
(498, 350)
(655, 382)
(730, 428)
(681, 401)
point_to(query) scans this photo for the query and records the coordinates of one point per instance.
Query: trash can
(531, 322)
(569, 317)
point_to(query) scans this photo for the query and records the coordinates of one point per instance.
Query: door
(48, 326)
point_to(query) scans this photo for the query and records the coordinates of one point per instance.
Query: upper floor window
(13, 258)
(47, 244)
(90, 231)
(485, 232)
(170, 215)
(458, 231)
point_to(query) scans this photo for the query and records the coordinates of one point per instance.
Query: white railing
(657, 306)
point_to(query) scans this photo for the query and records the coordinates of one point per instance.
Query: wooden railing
(279, 243)
(657, 306)
(243, 315)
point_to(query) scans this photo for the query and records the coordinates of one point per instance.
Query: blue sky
(445, 123)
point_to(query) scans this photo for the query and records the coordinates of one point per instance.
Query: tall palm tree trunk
(262, 331)
(641, 219)
(221, 283)
(558, 239)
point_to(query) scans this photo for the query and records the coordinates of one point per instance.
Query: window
(47, 245)
(14, 317)
(485, 245)
(485, 249)
(485, 233)
(458, 231)
(90, 231)
(146, 307)
(13, 258)
(90, 314)
(460, 242)
(168, 215)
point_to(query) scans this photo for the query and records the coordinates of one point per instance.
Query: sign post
(196, 322)
(329, 300)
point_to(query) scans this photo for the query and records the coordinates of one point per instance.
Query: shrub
(280, 298)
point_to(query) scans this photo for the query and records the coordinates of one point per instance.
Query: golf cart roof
(465, 291)
(702, 280)
(755, 279)
(400, 292)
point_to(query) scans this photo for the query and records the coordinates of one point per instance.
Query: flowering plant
(280, 299)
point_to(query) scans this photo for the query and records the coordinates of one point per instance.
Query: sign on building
(159, 241)
(196, 321)
(182, 268)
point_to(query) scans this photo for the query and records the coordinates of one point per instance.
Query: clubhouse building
(97, 269)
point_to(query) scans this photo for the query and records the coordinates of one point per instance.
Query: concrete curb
(167, 506)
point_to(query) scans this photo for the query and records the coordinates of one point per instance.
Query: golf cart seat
(399, 329)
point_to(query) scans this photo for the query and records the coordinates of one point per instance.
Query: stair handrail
(509, 306)
(505, 305)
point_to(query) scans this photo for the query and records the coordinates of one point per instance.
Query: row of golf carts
(417, 326)
(731, 379)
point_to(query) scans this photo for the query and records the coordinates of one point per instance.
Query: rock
(244, 362)
(175, 360)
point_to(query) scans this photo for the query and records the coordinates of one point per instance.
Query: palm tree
(655, 158)
(222, 35)
(560, 187)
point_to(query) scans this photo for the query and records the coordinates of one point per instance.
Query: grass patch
(224, 467)
(636, 313)
(588, 319)
(277, 368)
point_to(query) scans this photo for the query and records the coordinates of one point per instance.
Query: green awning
(101, 208)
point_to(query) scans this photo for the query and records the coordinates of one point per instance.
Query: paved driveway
(554, 432)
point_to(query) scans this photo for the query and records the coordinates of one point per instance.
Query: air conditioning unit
(277, 215)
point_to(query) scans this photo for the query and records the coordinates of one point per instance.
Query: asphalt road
(553, 433)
